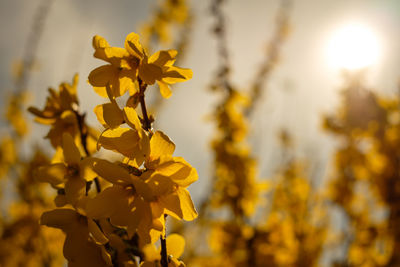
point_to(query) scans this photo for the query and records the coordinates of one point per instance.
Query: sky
(302, 88)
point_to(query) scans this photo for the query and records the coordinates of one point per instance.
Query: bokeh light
(353, 46)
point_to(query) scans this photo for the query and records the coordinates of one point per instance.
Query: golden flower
(57, 103)
(158, 67)
(120, 73)
(79, 248)
(70, 175)
(139, 202)
(126, 64)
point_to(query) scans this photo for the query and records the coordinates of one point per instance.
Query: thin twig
(32, 43)
(164, 255)
(84, 134)
(222, 79)
(272, 55)
(146, 121)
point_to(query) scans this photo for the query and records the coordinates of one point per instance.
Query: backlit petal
(109, 115)
(179, 171)
(175, 75)
(160, 145)
(86, 169)
(99, 77)
(132, 118)
(179, 205)
(133, 46)
(112, 172)
(122, 140)
(163, 57)
(165, 89)
(127, 80)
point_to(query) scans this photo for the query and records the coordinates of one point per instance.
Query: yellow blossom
(70, 175)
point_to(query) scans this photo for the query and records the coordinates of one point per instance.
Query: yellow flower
(158, 67)
(139, 202)
(79, 249)
(60, 112)
(132, 142)
(120, 73)
(70, 175)
(57, 103)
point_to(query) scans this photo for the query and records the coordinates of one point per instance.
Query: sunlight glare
(353, 47)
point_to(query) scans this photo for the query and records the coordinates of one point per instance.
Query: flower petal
(99, 77)
(160, 145)
(143, 189)
(86, 169)
(106, 202)
(160, 185)
(132, 118)
(74, 189)
(165, 89)
(176, 75)
(122, 140)
(127, 80)
(149, 72)
(71, 153)
(96, 233)
(179, 205)
(112, 172)
(164, 57)
(59, 218)
(179, 171)
(53, 174)
(133, 46)
(99, 42)
(109, 115)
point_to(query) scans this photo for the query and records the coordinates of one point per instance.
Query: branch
(146, 121)
(163, 239)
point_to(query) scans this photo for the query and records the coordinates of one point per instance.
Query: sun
(353, 47)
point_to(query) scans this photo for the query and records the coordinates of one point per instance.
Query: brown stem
(164, 255)
(146, 121)
(84, 133)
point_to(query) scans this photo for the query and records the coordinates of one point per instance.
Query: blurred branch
(219, 30)
(32, 44)
(272, 55)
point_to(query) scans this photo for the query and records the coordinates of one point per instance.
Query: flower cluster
(118, 223)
